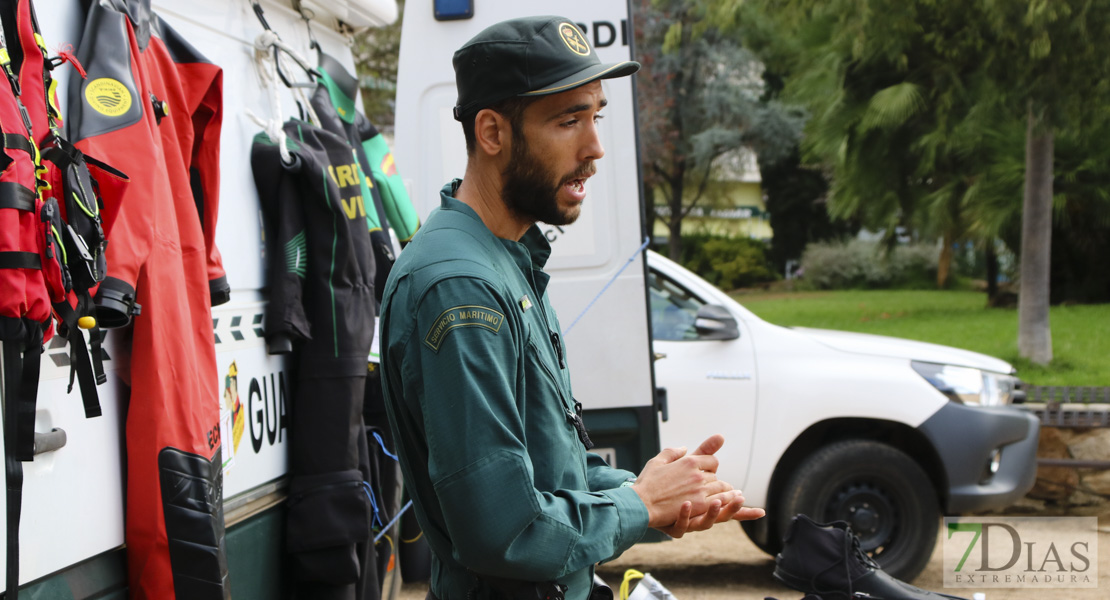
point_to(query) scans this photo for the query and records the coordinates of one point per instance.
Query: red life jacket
(75, 184)
(51, 249)
(28, 246)
(25, 301)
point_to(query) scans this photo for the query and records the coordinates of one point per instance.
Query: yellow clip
(41, 170)
(86, 322)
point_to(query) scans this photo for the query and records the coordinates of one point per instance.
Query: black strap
(13, 469)
(20, 260)
(79, 361)
(28, 396)
(19, 197)
(18, 142)
(96, 339)
(57, 154)
(22, 360)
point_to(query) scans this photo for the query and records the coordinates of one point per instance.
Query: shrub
(858, 264)
(727, 262)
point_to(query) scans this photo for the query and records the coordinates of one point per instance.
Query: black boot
(826, 559)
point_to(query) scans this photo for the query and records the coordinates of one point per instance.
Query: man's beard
(531, 191)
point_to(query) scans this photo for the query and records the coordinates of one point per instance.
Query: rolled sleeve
(633, 517)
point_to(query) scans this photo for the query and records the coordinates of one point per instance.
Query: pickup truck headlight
(969, 386)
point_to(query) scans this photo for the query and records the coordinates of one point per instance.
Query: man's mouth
(576, 182)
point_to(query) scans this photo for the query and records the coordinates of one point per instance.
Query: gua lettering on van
(266, 410)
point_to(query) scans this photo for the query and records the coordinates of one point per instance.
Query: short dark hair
(511, 108)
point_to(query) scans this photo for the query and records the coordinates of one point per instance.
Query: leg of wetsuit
(329, 516)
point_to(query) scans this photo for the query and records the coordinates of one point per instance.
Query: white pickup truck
(884, 433)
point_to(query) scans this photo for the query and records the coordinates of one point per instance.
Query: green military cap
(531, 56)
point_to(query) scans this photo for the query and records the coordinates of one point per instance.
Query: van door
(72, 526)
(596, 264)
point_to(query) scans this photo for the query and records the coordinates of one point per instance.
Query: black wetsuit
(321, 307)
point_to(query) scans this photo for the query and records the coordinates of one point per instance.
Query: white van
(72, 527)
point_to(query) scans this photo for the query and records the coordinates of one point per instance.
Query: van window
(673, 309)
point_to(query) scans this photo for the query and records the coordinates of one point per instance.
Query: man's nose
(592, 148)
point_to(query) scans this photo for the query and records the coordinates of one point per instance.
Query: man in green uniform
(475, 379)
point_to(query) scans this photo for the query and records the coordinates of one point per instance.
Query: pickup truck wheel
(884, 495)
(762, 535)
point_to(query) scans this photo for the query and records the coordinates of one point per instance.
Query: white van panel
(73, 498)
(609, 347)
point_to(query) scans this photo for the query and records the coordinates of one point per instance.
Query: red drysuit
(151, 105)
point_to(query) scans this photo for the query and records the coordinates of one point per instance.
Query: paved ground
(722, 564)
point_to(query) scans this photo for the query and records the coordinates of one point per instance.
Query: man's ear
(492, 132)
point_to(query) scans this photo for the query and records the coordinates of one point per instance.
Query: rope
(629, 576)
(381, 443)
(266, 66)
(391, 522)
(638, 251)
(268, 50)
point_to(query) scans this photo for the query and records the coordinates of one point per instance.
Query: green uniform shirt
(479, 398)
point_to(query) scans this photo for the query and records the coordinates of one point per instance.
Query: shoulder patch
(462, 316)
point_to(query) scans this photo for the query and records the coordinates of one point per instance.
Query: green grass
(1080, 334)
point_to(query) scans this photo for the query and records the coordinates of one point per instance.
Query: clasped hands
(682, 493)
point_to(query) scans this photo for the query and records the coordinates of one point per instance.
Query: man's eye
(570, 123)
(598, 118)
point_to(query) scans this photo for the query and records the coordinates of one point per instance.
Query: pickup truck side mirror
(714, 322)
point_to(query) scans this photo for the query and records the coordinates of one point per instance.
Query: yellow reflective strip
(41, 43)
(4, 58)
(85, 210)
(52, 97)
(58, 239)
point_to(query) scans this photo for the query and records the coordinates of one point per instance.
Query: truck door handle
(661, 403)
(49, 442)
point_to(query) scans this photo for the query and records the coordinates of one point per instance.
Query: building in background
(731, 206)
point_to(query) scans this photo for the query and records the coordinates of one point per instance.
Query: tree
(907, 96)
(1052, 58)
(376, 50)
(795, 196)
(699, 93)
(894, 119)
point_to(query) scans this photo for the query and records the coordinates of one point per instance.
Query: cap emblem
(573, 38)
